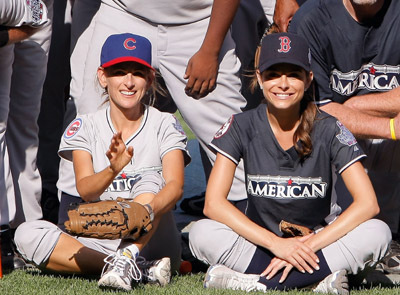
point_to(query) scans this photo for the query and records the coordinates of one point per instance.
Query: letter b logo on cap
(285, 44)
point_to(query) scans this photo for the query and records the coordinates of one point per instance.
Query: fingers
(117, 146)
(273, 268)
(199, 88)
(304, 262)
(298, 254)
(285, 273)
(130, 151)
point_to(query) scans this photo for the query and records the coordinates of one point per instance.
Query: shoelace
(245, 284)
(144, 266)
(118, 262)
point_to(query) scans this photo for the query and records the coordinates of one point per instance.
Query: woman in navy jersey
(291, 151)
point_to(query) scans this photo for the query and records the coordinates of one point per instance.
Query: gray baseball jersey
(15, 13)
(158, 134)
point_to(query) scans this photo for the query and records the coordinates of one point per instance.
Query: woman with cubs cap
(126, 149)
(291, 152)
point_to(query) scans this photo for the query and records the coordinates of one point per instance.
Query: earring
(261, 87)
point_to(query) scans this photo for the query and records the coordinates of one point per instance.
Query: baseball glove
(293, 230)
(111, 219)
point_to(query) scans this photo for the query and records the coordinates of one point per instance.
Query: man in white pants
(25, 41)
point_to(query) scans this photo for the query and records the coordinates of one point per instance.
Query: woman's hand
(292, 252)
(118, 154)
(276, 265)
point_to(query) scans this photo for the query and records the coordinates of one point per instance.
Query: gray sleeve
(172, 137)
(15, 13)
(148, 182)
(75, 137)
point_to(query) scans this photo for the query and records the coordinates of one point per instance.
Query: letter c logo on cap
(130, 44)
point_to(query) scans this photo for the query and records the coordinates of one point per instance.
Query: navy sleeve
(227, 141)
(345, 150)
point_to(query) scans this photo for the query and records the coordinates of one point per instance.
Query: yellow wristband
(392, 132)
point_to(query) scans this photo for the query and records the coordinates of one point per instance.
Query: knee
(211, 241)
(22, 232)
(382, 236)
(36, 239)
(199, 236)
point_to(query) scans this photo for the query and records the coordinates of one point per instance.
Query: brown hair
(308, 110)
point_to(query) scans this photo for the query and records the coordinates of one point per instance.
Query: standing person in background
(356, 67)
(25, 39)
(281, 142)
(127, 149)
(284, 12)
(52, 109)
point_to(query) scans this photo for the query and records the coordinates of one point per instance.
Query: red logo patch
(73, 128)
(224, 128)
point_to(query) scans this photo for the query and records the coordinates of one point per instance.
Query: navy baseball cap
(126, 47)
(284, 48)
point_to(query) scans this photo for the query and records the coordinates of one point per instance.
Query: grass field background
(188, 132)
(34, 282)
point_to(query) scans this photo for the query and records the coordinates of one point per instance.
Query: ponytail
(302, 135)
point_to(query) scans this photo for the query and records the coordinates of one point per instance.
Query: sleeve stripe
(352, 162)
(224, 153)
(323, 102)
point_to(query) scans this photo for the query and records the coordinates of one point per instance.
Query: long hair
(302, 135)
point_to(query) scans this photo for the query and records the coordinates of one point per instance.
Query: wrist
(392, 129)
(150, 210)
(270, 241)
(210, 50)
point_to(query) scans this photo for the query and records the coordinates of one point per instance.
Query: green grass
(34, 282)
(188, 132)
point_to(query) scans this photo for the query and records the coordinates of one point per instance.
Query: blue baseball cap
(126, 47)
(284, 48)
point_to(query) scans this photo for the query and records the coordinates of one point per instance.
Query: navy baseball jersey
(280, 185)
(158, 134)
(349, 58)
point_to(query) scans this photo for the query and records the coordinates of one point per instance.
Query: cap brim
(125, 59)
(276, 61)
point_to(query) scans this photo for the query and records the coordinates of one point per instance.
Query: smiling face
(283, 86)
(126, 83)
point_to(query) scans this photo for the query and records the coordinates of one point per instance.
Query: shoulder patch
(177, 125)
(73, 128)
(224, 128)
(345, 136)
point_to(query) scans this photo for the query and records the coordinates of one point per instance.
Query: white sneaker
(120, 270)
(155, 271)
(221, 277)
(335, 283)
